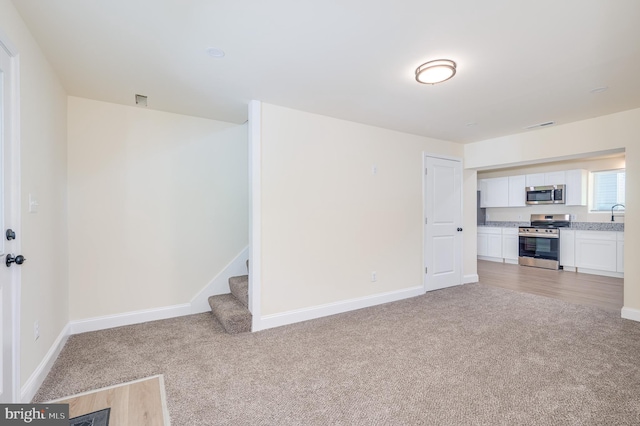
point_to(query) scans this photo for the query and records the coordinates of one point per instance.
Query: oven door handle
(549, 236)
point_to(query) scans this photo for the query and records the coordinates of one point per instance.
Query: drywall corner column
(632, 226)
(255, 218)
(470, 241)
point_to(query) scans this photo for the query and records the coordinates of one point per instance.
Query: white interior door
(443, 228)
(9, 276)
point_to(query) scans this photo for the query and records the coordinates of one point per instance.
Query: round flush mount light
(437, 71)
(214, 52)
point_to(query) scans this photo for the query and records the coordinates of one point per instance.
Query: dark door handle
(10, 234)
(19, 260)
(459, 229)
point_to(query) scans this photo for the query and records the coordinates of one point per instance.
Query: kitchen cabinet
(517, 193)
(567, 248)
(620, 252)
(545, 179)
(490, 243)
(555, 178)
(535, 179)
(510, 246)
(494, 192)
(596, 250)
(576, 187)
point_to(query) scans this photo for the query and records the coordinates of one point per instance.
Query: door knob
(459, 229)
(19, 260)
(10, 234)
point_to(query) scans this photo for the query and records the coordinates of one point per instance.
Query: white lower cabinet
(490, 243)
(620, 252)
(596, 250)
(510, 246)
(567, 248)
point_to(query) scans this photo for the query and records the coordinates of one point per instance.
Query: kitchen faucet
(612, 207)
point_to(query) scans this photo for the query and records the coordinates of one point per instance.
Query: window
(607, 190)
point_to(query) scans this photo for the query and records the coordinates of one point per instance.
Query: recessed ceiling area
(518, 63)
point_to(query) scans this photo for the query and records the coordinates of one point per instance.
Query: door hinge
(426, 171)
(426, 270)
(426, 221)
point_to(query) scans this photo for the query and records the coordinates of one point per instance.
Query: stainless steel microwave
(550, 194)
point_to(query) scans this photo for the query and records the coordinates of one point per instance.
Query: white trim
(36, 379)
(298, 315)
(599, 272)
(630, 314)
(129, 318)
(255, 218)
(471, 278)
(491, 259)
(220, 284)
(15, 285)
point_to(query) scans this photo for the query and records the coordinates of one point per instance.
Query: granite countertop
(577, 226)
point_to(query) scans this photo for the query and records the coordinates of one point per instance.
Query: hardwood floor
(138, 403)
(585, 289)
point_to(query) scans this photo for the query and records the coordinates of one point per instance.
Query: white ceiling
(519, 62)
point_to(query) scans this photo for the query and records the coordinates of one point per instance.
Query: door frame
(424, 214)
(14, 148)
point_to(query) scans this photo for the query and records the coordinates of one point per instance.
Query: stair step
(240, 288)
(234, 317)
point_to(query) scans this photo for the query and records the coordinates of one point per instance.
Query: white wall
(327, 221)
(43, 112)
(582, 213)
(158, 205)
(619, 131)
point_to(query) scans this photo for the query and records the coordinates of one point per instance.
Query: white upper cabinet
(517, 195)
(555, 178)
(509, 191)
(576, 181)
(495, 192)
(545, 179)
(536, 179)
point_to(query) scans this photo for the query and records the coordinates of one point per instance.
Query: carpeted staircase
(231, 309)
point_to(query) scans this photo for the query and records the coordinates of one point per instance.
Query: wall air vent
(141, 100)
(535, 126)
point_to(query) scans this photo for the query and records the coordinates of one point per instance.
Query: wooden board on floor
(138, 403)
(585, 289)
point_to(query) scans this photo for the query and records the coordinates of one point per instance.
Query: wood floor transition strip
(137, 403)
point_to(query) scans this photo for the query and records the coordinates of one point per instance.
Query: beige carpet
(470, 355)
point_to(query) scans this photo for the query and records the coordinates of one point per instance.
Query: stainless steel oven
(539, 244)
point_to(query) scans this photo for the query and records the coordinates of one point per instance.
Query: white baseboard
(298, 315)
(630, 314)
(471, 278)
(220, 284)
(129, 318)
(491, 259)
(599, 272)
(36, 379)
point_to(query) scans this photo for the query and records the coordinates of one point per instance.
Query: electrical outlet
(374, 276)
(36, 330)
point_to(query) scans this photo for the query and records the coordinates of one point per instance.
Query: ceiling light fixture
(437, 71)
